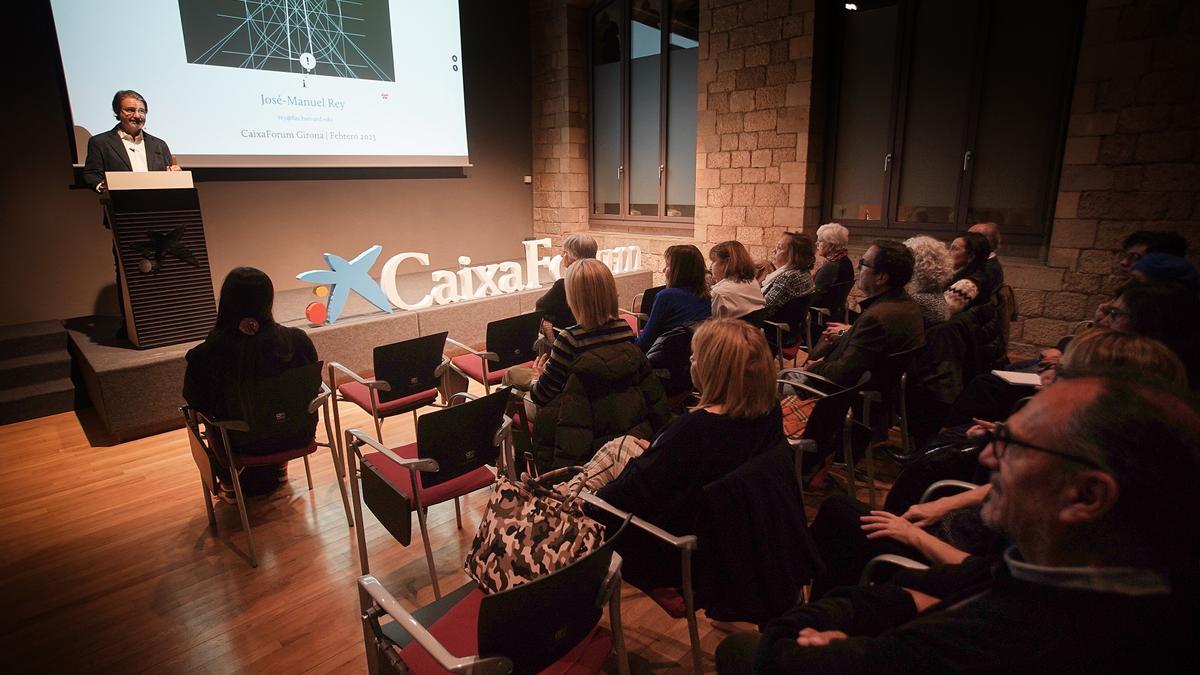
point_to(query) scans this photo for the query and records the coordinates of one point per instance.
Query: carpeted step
(32, 338)
(22, 371)
(36, 400)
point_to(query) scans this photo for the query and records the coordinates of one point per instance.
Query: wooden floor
(107, 563)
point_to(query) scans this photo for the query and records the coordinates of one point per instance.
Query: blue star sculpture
(344, 276)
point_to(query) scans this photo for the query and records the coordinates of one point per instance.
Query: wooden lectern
(166, 287)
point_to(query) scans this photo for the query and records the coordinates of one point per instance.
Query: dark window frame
(661, 224)
(890, 163)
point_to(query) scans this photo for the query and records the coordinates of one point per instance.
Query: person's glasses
(1132, 256)
(131, 111)
(1114, 312)
(1001, 438)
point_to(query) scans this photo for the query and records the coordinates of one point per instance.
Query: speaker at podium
(165, 283)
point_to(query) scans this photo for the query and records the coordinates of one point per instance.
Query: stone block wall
(1130, 161)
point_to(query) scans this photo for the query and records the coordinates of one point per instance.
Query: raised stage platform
(138, 392)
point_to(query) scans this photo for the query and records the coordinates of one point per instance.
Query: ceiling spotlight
(851, 6)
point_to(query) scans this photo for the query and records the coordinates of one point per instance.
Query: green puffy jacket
(611, 391)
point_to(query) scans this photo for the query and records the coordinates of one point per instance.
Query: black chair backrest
(755, 318)
(828, 415)
(461, 437)
(279, 404)
(833, 298)
(887, 375)
(793, 313)
(537, 623)
(512, 339)
(648, 295)
(409, 365)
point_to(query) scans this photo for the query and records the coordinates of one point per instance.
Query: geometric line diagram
(339, 38)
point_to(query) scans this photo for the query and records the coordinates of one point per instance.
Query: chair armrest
(687, 542)
(805, 387)
(356, 438)
(813, 376)
(463, 395)
(490, 356)
(373, 384)
(955, 485)
(389, 606)
(781, 326)
(437, 372)
(888, 559)
(823, 311)
(503, 432)
(321, 398)
(227, 425)
(639, 315)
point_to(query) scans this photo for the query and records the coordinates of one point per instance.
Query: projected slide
(343, 39)
(274, 83)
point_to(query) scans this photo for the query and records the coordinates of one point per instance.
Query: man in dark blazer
(126, 147)
(891, 321)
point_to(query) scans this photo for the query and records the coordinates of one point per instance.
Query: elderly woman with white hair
(834, 268)
(932, 271)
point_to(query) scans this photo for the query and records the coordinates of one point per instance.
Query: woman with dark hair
(684, 299)
(792, 278)
(736, 293)
(244, 346)
(969, 252)
(1163, 310)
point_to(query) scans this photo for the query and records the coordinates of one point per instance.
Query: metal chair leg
(241, 499)
(848, 450)
(618, 631)
(338, 468)
(208, 506)
(437, 591)
(308, 473)
(690, 603)
(457, 513)
(870, 477)
(360, 531)
(905, 441)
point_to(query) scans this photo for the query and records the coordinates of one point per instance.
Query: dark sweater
(553, 305)
(672, 307)
(1007, 626)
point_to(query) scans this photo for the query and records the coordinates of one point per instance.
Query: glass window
(868, 55)
(606, 110)
(645, 90)
(683, 51)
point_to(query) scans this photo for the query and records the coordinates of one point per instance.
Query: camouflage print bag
(529, 531)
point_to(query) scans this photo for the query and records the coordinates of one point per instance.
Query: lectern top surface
(148, 180)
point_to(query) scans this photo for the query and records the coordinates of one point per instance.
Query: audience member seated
(1142, 242)
(992, 268)
(932, 271)
(833, 264)
(891, 321)
(792, 278)
(553, 305)
(1087, 482)
(244, 346)
(595, 384)
(736, 419)
(969, 286)
(1168, 312)
(735, 293)
(1166, 267)
(685, 298)
(945, 531)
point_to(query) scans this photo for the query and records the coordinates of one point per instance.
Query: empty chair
(831, 425)
(509, 343)
(449, 459)
(282, 405)
(406, 379)
(550, 624)
(831, 305)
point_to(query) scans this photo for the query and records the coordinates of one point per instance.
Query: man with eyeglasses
(1094, 482)
(126, 147)
(891, 321)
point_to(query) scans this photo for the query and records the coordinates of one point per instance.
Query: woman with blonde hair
(736, 293)
(736, 419)
(595, 384)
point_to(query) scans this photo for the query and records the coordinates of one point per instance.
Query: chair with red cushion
(449, 460)
(548, 625)
(406, 380)
(282, 405)
(509, 343)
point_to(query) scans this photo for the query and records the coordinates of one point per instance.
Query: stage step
(32, 338)
(35, 371)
